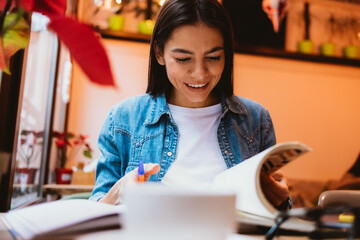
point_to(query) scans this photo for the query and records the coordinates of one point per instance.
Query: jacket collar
(158, 107)
(233, 104)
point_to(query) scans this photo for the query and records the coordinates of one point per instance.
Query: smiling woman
(194, 58)
(188, 123)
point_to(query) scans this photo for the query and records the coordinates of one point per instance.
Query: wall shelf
(122, 35)
(279, 53)
(254, 50)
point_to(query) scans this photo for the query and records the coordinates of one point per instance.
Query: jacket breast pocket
(147, 149)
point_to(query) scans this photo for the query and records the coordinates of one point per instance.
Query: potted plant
(68, 146)
(351, 50)
(306, 46)
(146, 26)
(328, 48)
(28, 151)
(117, 20)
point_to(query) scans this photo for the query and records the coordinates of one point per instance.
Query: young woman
(189, 122)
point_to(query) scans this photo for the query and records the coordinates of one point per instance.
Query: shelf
(253, 50)
(121, 35)
(272, 52)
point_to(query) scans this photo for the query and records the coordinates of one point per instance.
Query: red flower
(60, 143)
(67, 139)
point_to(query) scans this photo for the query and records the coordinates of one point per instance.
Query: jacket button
(169, 154)
(226, 152)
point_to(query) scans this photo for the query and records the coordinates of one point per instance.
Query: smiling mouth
(196, 85)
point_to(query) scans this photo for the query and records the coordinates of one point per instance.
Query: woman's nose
(199, 71)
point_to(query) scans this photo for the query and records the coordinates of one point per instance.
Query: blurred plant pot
(116, 22)
(146, 26)
(327, 49)
(63, 175)
(25, 175)
(305, 46)
(350, 51)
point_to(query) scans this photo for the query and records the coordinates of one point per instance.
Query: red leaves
(28, 5)
(85, 48)
(46, 7)
(49, 7)
(79, 38)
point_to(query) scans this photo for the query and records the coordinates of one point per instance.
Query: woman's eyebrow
(180, 50)
(215, 49)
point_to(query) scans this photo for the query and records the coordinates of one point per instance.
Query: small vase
(146, 26)
(350, 51)
(116, 22)
(327, 49)
(305, 46)
(63, 175)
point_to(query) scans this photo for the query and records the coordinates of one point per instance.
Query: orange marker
(141, 172)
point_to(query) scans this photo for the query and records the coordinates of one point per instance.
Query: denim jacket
(142, 127)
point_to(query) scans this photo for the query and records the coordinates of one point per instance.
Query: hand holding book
(274, 187)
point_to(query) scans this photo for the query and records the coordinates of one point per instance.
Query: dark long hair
(176, 13)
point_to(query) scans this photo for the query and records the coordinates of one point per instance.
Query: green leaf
(87, 154)
(15, 38)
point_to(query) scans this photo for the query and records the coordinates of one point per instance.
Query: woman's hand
(114, 196)
(274, 187)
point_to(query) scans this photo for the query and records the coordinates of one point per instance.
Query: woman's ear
(158, 54)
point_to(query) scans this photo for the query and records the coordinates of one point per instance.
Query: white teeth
(196, 85)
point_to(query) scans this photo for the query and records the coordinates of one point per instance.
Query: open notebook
(62, 218)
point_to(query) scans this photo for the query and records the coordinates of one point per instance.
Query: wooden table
(59, 190)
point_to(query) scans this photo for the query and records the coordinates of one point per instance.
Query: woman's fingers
(149, 169)
(274, 187)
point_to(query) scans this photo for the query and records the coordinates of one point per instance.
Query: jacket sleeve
(269, 138)
(109, 166)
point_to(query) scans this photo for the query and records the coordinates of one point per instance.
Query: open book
(62, 218)
(244, 180)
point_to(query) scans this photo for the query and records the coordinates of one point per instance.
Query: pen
(141, 171)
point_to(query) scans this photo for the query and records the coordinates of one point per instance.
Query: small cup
(327, 49)
(157, 212)
(116, 22)
(305, 46)
(350, 51)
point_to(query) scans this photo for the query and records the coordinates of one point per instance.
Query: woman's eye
(182, 60)
(213, 59)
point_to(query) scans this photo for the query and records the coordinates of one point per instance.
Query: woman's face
(194, 59)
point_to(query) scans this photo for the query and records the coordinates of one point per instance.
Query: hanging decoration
(275, 10)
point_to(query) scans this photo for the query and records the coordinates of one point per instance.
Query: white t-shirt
(199, 157)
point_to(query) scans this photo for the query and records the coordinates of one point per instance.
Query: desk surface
(66, 189)
(70, 187)
(119, 234)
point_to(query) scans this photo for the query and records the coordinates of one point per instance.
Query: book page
(244, 178)
(48, 217)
